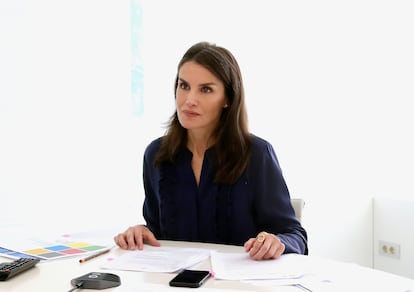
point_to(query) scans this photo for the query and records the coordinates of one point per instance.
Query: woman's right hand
(135, 237)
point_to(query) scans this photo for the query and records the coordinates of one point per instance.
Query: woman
(208, 179)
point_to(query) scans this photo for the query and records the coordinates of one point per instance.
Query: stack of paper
(239, 266)
(158, 259)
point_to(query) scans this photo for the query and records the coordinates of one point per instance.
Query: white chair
(298, 205)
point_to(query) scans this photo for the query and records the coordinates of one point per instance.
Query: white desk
(55, 276)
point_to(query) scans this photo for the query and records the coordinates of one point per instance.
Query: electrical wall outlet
(389, 249)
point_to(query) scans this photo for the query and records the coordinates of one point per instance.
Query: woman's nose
(191, 98)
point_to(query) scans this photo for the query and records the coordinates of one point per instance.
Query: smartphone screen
(190, 278)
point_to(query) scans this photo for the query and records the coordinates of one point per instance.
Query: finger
(138, 238)
(258, 250)
(280, 247)
(271, 252)
(249, 244)
(276, 249)
(120, 241)
(145, 236)
(130, 238)
(152, 240)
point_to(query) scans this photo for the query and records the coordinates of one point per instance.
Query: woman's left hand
(264, 247)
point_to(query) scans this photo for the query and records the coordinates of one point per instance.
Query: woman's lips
(190, 113)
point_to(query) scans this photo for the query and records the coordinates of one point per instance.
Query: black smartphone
(190, 278)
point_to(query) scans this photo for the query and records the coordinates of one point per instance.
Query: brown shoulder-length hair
(231, 135)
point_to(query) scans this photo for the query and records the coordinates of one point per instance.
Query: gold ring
(261, 237)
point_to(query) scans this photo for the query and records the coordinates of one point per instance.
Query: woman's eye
(183, 85)
(205, 89)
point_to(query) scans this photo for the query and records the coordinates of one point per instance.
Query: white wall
(70, 148)
(393, 219)
(328, 83)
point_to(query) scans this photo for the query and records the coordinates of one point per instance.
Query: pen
(95, 255)
(300, 286)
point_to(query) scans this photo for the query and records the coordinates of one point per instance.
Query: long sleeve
(272, 202)
(150, 180)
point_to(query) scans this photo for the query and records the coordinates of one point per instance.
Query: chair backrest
(298, 205)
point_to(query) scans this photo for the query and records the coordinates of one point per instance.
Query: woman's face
(200, 98)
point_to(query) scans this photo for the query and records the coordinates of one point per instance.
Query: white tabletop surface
(55, 276)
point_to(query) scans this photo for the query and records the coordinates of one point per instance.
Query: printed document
(239, 266)
(158, 259)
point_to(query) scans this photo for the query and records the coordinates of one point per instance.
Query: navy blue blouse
(175, 208)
